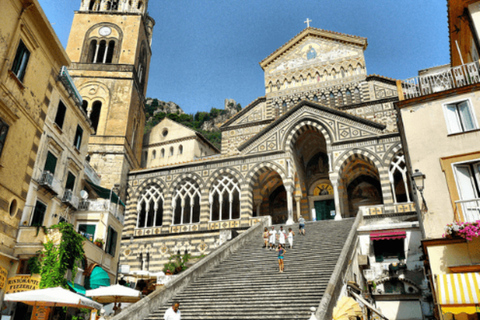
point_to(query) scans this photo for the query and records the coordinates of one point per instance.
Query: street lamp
(418, 180)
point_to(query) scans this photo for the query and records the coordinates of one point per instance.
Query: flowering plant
(466, 230)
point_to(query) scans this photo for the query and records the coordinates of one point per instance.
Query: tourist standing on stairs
(301, 225)
(290, 237)
(173, 313)
(273, 235)
(281, 252)
(265, 237)
(282, 235)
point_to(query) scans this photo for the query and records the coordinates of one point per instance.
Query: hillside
(207, 123)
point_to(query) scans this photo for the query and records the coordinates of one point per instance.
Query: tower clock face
(105, 31)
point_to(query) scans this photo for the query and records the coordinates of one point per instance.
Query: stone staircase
(248, 285)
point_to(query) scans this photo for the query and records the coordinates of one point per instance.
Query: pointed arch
(295, 130)
(150, 207)
(224, 198)
(186, 202)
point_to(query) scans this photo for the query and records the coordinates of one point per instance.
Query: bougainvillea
(466, 230)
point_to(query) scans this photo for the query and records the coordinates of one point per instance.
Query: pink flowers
(466, 230)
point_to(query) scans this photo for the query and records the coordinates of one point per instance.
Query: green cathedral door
(323, 209)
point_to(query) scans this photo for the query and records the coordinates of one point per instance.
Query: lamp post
(418, 179)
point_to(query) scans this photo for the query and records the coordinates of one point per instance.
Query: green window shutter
(87, 230)
(70, 181)
(38, 214)
(111, 241)
(3, 134)
(51, 163)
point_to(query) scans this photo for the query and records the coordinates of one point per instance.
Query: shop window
(38, 214)
(60, 117)
(3, 135)
(389, 249)
(21, 60)
(459, 117)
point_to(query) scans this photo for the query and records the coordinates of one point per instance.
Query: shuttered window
(111, 241)
(70, 181)
(21, 60)
(38, 214)
(51, 163)
(60, 117)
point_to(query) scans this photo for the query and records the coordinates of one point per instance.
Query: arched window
(348, 96)
(224, 199)
(284, 107)
(91, 6)
(85, 105)
(142, 66)
(101, 52)
(110, 51)
(162, 153)
(150, 208)
(342, 71)
(186, 202)
(154, 154)
(92, 49)
(356, 95)
(340, 98)
(331, 100)
(140, 5)
(95, 115)
(171, 151)
(180, 149)
(399, 179)
(315, 98)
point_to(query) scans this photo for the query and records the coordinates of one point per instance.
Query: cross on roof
(307, 22)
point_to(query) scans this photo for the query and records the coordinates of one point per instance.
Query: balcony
(450, 78)
(70, 199)
(49, 182)
(469, 208)
(102, 205)
(67, 81)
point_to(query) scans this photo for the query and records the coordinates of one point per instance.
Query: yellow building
(439, 120)
(31, 57)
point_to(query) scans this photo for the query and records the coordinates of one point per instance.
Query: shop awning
(388, 235)
(77, 288)
(459, 292)
(99, 278)
(105, 193)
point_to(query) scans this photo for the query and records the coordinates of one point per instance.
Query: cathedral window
(186, 202)
(224, 199)
(340, 98)
(180, 149)
(399, 179)
(100, 52)
(315, 98)
(150, 208)
(154, 154)
(348, 95)
(162, 153)
(356, 95)
(331, 100)
(95, 114)
(171, 151)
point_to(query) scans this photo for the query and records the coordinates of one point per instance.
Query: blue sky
(205, 51)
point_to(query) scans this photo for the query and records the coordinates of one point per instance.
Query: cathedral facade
(322, 144)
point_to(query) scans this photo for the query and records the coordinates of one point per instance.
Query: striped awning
(388, 234)
(459, 292)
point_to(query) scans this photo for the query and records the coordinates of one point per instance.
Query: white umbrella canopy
(115, 293)
(52, 297)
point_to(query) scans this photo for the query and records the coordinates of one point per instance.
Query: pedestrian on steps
(282, 235)
(281, 252)
(273, 235)
(173, 313)
(265, 237)
(301, 225)
(290, 237)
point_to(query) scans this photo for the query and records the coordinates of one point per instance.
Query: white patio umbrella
(116, 293)
(52, 297)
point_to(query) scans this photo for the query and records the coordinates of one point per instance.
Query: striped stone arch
(147, 183)
(387, 158)
(260, 168)
(233, 172)
(184, 176)
(300, 127)
(340, 163)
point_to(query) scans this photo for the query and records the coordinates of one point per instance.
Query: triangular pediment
(253, 113)
(314, 46)
(167, 130)
(337, 126)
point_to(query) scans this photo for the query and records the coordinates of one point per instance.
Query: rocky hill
(207, 123)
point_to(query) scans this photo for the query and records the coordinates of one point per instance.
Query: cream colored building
(31, 58)
(172, 143)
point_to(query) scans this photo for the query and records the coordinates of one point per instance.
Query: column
(336, 197)
(297, 202)
(289, 190)
(259, 206)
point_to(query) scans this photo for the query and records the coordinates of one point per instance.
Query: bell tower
(110, 50)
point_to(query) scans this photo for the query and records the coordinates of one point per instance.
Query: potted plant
(169, 268)
(99, 242)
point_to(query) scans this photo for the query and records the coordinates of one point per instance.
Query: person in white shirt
(282, 235)
(273, 235)
(173, 313)
(290, 237)
(301, 225)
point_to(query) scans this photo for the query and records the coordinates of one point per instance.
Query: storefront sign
(3, 277)
(22, 283)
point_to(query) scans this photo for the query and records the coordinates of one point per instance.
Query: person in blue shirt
(281, 252)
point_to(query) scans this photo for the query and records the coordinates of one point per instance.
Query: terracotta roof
(318, 32)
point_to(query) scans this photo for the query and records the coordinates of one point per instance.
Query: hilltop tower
(110, 49)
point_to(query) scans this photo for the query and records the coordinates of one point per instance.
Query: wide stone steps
(247, 285)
